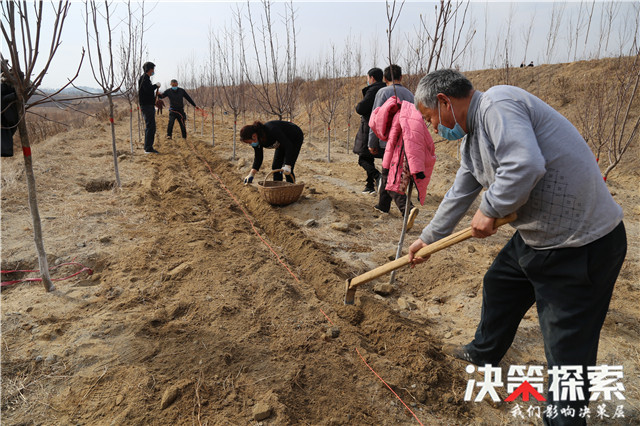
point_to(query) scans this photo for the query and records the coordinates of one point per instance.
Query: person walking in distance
(147, 100)
(176, 96)
(366, 159)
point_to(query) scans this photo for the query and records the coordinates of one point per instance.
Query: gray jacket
(383, 94)
(533, 161)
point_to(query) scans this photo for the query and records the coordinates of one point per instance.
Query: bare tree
(231, 72)
(309, 94)
(526, 37)
(24, 49)
(274, 78)
(557, 13)
(102, 63)
(131, 47)
(436, 35)
(212, 81)
(329, 84)
(349, 92)
(608, 123)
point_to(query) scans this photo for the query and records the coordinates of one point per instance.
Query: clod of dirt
(351, 313)
(172, 393)
(384, 289)
(333, 332)
(99, 185)
(340, 226)
(261, 411)
(405, 304)
(180, 270)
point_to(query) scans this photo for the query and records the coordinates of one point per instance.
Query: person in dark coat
(366, 159)
(176, 96)
(285, 137)
(147, 100)
(10, 117)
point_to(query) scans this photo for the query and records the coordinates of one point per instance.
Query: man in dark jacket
(10, 117)
(176, 96)
(147, 100)
(365, 159)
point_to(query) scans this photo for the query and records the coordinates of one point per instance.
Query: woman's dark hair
(148, 66)
(257, 127)
(376, 73)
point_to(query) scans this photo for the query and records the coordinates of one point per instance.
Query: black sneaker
(151, 151)
(461, 352)
(377, 207)
(368, 190)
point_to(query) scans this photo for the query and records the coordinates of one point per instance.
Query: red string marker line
(243, 211)
(385, 383)
(7, 283)
(288, 269)
(26, 151)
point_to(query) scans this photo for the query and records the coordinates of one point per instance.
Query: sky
(177, 33)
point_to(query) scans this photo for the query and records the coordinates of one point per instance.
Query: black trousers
(367, 162)
(385, 197)
(181, 117)
(7, 141)
(149, 114)
(571, 287)
(278, 160)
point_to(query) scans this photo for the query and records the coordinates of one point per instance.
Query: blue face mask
(174, 87)
(447, 133)
(153, 73)
(255, 144)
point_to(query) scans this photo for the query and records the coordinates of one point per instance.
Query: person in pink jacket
(410, 152)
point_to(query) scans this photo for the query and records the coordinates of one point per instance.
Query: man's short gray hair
(447, 81)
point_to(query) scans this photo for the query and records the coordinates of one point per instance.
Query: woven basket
(279, 193)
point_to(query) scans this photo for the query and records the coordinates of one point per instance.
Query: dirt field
(209, 306)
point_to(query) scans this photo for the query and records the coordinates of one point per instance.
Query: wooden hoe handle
(423, 252)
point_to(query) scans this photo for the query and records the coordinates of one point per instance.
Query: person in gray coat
(570, 240)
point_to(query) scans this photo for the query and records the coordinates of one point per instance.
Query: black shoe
(151, 151)
(377, 207)
(461, 352)
(368, 190)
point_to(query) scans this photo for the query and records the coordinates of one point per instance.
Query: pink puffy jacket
(404, 129)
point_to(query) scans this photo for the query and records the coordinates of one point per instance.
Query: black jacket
(10, 115)
(281, 135)
(176, 98)
(365, 108)
(146, 90)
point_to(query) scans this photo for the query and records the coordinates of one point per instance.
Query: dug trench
(192, 318)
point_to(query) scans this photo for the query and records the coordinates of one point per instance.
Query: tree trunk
(33, 201)
(213, 121)
(329, 144)
(235, 125)
(113, 140)
(131, 126)
(139, 129)
(194, 121)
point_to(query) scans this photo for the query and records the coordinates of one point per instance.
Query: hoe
(452, 239)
